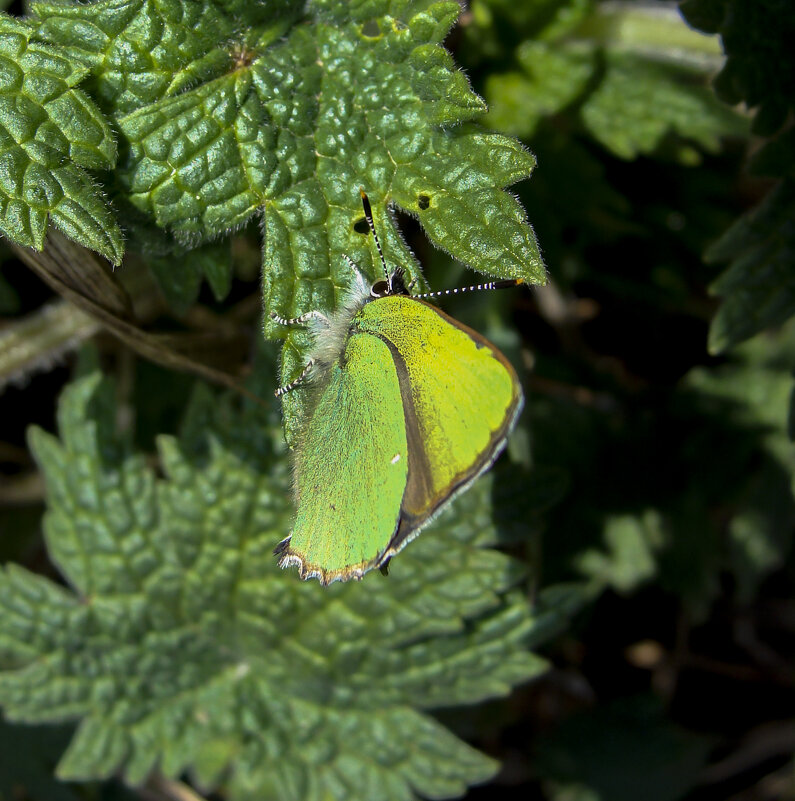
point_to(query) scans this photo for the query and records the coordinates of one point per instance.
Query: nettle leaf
(50, 134)
(552, 76)
(230, 111)
(140, 51)
(757, 384)
(357, 96)
(611, 751)
(758, 289)
(180, 645)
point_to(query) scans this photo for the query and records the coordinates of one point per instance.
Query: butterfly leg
(303, 319)
(297, 381)
(351, 263)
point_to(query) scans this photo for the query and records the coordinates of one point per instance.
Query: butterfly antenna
(368, 213)
(506, 283)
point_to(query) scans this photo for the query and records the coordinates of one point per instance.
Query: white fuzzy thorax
(331, 333)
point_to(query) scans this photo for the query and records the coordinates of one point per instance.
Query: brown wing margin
(419, 484)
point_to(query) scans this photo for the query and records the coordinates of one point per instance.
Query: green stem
(37, 341)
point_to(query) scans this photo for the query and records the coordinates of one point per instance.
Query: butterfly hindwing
(351, 468)
(460, 397)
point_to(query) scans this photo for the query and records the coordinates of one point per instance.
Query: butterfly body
(409, 406)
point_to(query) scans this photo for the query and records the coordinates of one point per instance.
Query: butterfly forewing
(460, 398)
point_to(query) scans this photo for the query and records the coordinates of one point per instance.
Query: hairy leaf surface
(233, 111)
(50, 134)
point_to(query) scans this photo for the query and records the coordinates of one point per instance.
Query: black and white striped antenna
(505, 283)
(368, 214)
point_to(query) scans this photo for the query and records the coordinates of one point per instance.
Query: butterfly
(408, 407)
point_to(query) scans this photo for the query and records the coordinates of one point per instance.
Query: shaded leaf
(633, 76)
(639, 102)
(180, 275)
(759, 385)
(760, 65)
(552, 77)
(182, 644)
(631, 556)
(758, 289)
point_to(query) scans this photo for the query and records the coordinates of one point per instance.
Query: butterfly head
(393, 284)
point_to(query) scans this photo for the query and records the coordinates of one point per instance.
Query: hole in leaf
(361, 226)
(423, 201)
(371, 29)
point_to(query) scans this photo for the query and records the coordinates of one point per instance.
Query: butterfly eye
(379, 289)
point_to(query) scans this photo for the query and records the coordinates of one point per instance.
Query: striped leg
(297, 381)
(351, 263)
(303, 319)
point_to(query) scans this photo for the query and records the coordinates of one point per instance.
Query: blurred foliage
(760, 64)
(622, 84)
(639, 536)
(624, 750)
(760, 72)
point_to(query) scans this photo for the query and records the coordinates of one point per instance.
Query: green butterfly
(409, 408)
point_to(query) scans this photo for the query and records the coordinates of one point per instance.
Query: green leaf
(180, 274)
(631, 557)
(758, 288)
(632, 78)
(758, 385)
(50, 134)
(140, 51)
(346, 101)
(639, 102)
(181, 644)
(552, 77)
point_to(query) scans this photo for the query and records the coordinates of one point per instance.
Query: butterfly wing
(350, 467)
(460, 397)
